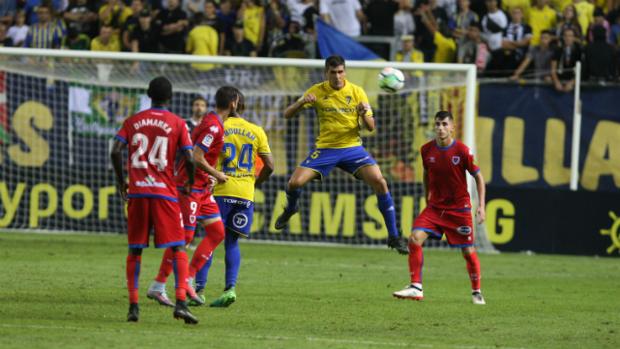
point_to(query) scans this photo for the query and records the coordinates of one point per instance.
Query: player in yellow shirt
(243, 143)
(342, 109)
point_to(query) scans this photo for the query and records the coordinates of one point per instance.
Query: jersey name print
(153, 137)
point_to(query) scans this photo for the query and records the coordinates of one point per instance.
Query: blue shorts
(236, 214)
(349, 159)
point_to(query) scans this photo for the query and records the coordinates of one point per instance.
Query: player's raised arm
(117, 163)
(267, 169)
(481, 187)
(294, 108)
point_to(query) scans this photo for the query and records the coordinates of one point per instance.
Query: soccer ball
(391, 79)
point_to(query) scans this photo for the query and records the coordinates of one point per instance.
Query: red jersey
(447, 181)
(153, 137)
(209, 136)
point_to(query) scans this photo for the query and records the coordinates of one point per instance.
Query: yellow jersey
(243, 141)
(253, 18)
(541, 19)
(120, 14)
(202, 40)
(114, 45)
(446, 49)
(508, 5)
(336, 109)
(585, 15)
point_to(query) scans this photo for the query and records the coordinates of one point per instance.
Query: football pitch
(68, 291)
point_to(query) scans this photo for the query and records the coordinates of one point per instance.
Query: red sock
(473, 268)
(416, 261)
(215, 235)
(180, 274)
(132, 272)
(166, 266)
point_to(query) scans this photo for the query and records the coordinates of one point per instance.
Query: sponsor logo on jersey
(456, 160)
(150, 182)
(213, 129)
(240, 220)
(463, 230)
(207, 140)
(431, 159)
(241, 202)
(348, 99)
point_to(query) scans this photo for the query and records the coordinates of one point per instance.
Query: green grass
(62, 291)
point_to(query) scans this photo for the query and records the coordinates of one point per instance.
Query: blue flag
(333, 42)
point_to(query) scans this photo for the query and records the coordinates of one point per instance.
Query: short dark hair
(442, 114)
(160, 90)
(241, 104)
(226, 95)
(198, 98)
(333, 61)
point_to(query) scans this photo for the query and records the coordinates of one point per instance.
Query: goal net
(60, 109)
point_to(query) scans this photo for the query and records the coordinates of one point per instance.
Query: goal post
(60, 108)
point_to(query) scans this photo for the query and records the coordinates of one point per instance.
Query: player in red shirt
(448, 212)
(153, 137)
(199, 205)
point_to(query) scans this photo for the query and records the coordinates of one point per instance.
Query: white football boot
(476, 298)
(410, 292)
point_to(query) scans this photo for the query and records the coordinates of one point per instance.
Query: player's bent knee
(378, 184)
(418, 237)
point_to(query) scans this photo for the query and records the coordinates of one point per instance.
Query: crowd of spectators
(515, 39)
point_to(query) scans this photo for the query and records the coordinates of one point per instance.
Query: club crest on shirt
(348, 99)
(456, 160)
(431, 159)
(207, 140)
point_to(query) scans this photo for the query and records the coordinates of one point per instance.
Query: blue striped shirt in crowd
(44, 36)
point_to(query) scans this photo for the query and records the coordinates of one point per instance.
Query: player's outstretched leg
(416, 261)
(292, 196)
(300, 177)
(473, 269)
(132, 273)
(372, 176)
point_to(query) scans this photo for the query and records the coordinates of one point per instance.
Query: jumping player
(244, 144)
(339, 105)
(448, 212)
(200, 206)
(153, 137)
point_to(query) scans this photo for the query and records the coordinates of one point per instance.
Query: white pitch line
(266, 337)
